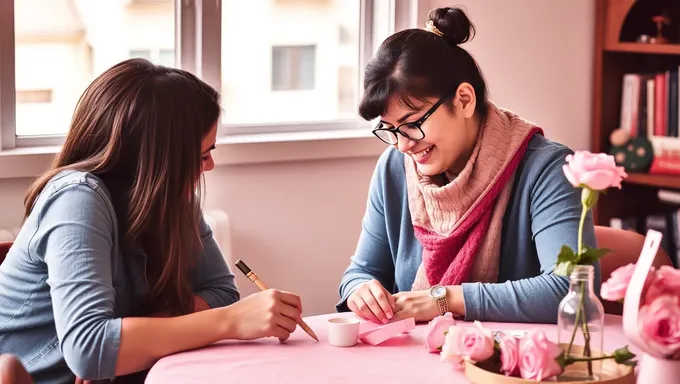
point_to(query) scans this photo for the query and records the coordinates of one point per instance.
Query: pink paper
(385, 332)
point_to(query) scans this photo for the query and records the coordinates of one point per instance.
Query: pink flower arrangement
(532, 356)
(659, 315)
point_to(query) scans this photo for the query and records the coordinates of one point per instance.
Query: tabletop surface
(402, 359)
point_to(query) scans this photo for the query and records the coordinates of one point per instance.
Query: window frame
(198, 34)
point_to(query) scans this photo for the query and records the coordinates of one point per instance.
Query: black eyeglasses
(412, 130)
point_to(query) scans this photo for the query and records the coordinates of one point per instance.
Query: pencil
(256, 280)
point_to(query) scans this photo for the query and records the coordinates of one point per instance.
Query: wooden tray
(611, 373)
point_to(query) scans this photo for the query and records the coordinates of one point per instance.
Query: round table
(402, 359)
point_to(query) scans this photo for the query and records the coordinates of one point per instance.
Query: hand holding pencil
(286, 298)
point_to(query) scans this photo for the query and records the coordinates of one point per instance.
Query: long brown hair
(139, 128)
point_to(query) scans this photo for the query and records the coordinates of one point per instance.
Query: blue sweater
(542, 215)
(67, 282)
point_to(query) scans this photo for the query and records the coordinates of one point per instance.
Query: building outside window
(299, 58)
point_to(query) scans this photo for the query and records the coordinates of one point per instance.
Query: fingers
(289, 312)
(290, 299)
(359, 307)
(286, 323)
(285, 313)
(383, 298)
(374, 306)
(372, 302)
(281, 333)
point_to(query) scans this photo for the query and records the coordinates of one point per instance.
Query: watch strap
(443, 305)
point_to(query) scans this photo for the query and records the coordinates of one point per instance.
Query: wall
(296, 223)
(537, 57)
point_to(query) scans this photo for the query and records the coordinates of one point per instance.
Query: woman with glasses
(468, 208)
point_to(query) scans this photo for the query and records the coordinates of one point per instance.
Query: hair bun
(453, 23)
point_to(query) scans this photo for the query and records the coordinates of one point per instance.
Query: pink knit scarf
(459, 224)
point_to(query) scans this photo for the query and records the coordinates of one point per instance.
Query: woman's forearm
(454, 298)
(145, 340)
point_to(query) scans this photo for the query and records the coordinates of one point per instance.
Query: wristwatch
(438, 293)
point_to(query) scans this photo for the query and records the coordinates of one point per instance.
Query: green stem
(571, 360)
(584, 212)
(584, 316)
(581, 317)
(586, 332)
(576, 323)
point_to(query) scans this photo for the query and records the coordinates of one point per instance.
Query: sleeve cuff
(472, 297)
(110, 348)
(341, 306)
(213, 299)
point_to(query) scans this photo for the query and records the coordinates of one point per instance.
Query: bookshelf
(618, 23)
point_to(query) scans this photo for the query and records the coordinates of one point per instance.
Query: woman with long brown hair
(114, 266)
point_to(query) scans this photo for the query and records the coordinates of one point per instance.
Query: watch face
(438, 291)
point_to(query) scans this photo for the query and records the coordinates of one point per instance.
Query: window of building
(293, 68)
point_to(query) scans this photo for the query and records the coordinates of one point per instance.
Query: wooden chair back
(626, 247)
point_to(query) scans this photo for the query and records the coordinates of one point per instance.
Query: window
(140, 53)
(34, 108)
(164, 57)
(80, 41)
(299, 39)
(293, 68)
(279, 64)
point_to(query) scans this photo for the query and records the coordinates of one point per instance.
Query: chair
(4, 248)
(625, 249)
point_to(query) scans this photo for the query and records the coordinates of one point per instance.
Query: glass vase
(580, 326)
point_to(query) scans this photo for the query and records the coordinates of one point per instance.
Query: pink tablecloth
(302, 360)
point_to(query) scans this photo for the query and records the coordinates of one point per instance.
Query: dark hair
(419, 63)
(139, 128)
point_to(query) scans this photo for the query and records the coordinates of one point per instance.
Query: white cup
(343, 331)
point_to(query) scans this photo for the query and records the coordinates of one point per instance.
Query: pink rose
(436, 331)
(659, 325)
(595, 171)
(473, 343)
(666, 281)
(538, 356)
(614, 288)
(509, 346)
(477, 343)
(451, 349)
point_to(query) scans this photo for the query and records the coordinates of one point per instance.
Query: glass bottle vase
(580, 326)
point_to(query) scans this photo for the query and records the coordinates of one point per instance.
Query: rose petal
(597, 180)
(573, 180)
(659, 325)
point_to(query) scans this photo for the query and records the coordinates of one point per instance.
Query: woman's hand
(371, 301)
(422, 307)
(264, 314)
(416, 304)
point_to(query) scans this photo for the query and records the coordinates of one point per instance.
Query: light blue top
(66, 283)
(542, 215)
